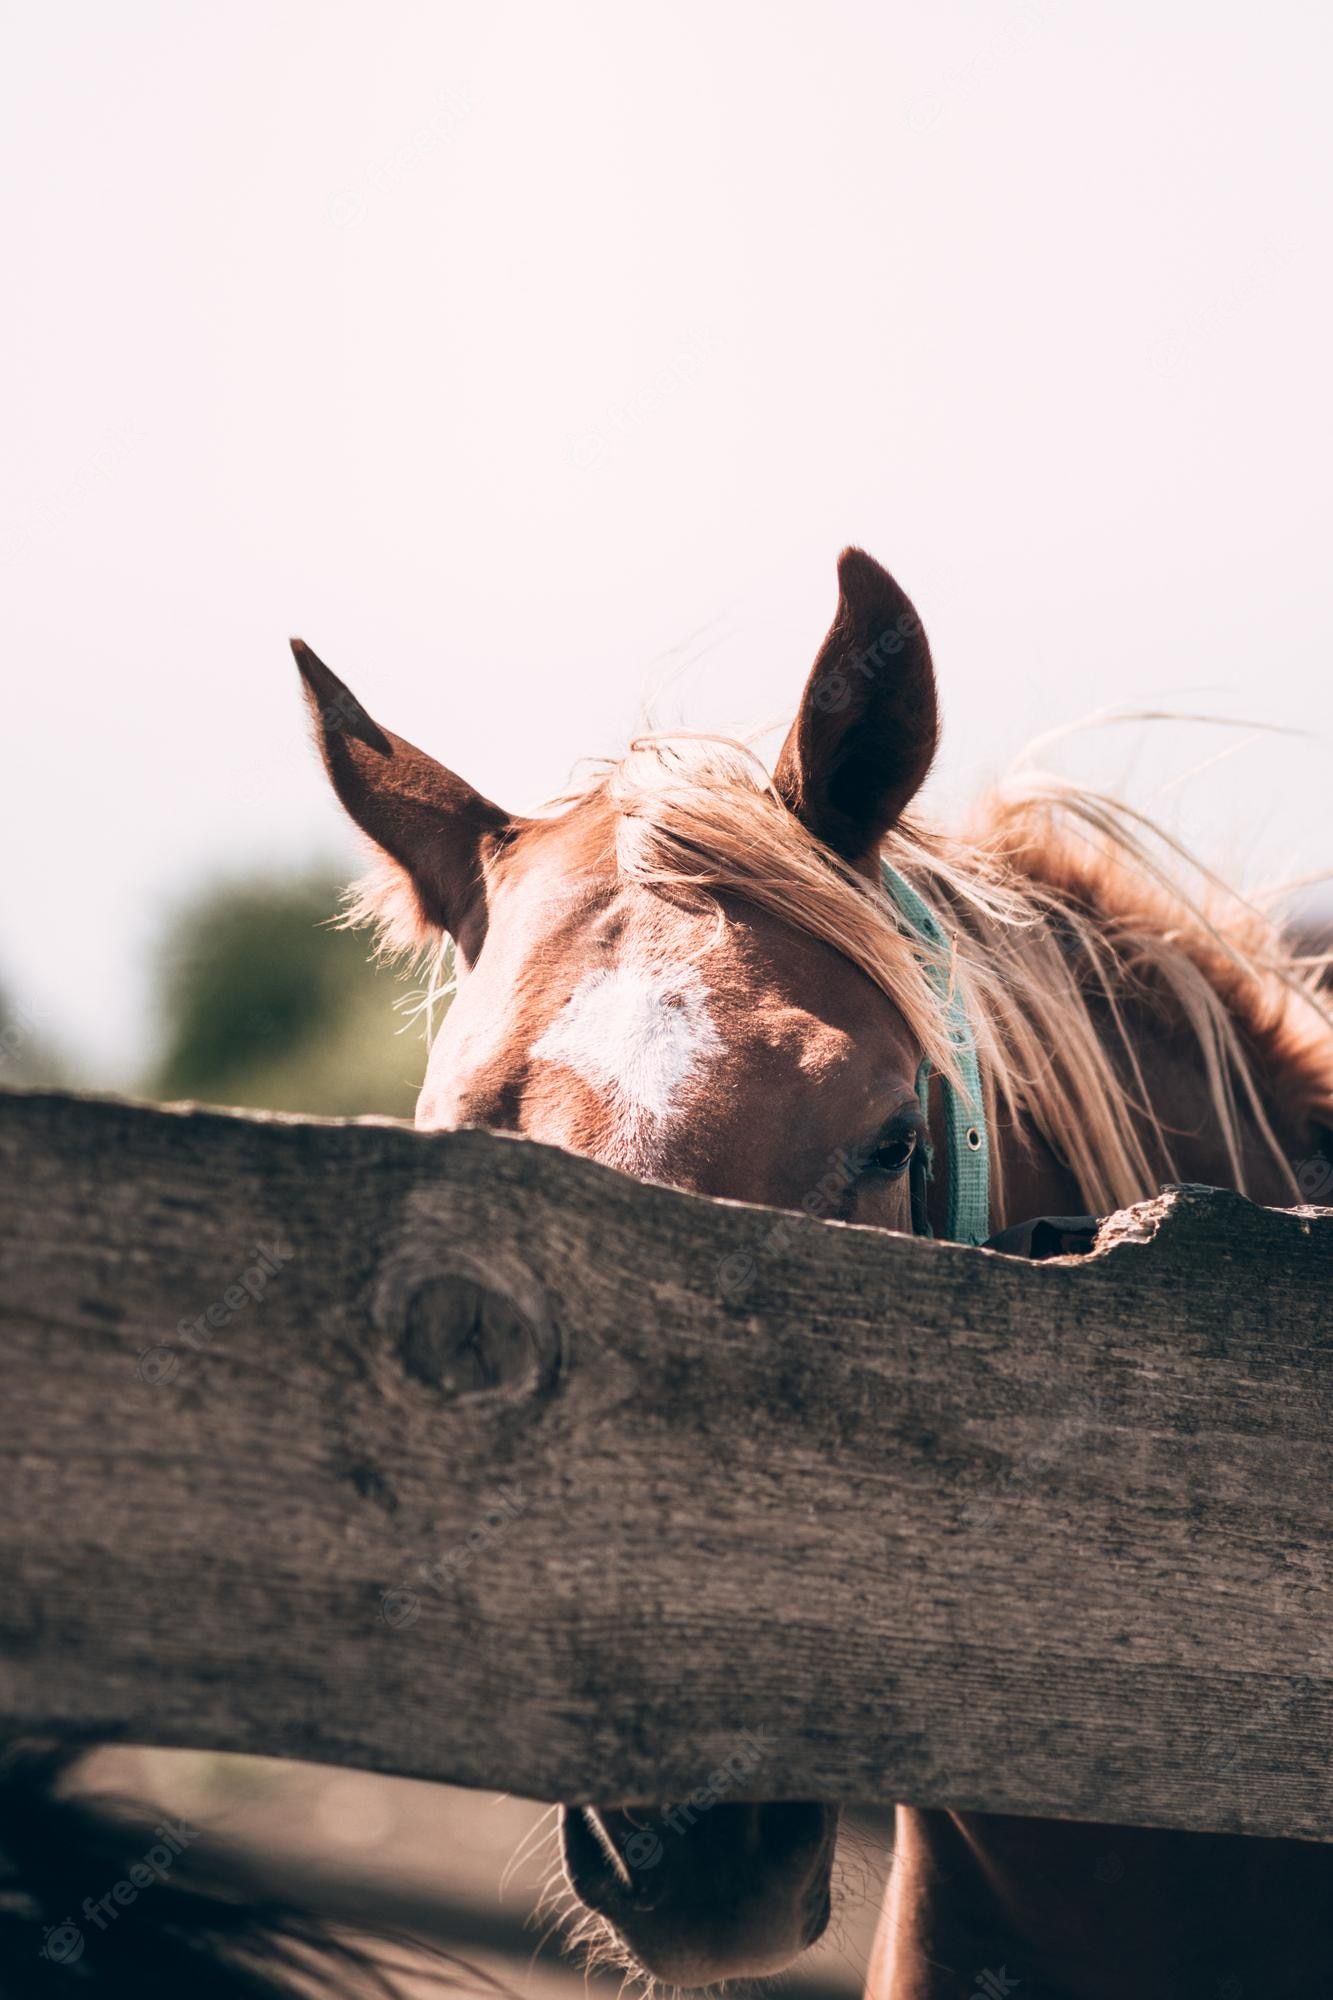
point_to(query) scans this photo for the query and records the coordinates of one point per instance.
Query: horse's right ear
(866, 731)
(434, 830)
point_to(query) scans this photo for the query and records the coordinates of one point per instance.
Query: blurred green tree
(265, 1004)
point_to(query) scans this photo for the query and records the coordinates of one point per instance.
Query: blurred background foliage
(27, 1058)
(261, 1002)
(265, 1003)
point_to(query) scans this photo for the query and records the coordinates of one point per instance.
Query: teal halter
(968, 1210)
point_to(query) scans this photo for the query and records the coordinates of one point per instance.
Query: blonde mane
(1067, 909)
(1063, 915)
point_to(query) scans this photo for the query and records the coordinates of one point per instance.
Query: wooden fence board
(455, 1456)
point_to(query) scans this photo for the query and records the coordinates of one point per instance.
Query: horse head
(670, 974)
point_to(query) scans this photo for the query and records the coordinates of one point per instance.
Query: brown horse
(690, 971)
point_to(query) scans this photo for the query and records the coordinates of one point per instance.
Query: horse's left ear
(434, 831)
(865, 735)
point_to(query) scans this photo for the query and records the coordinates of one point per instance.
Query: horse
(692, 971)
(711, 977)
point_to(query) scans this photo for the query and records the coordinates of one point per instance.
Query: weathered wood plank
(510, 1471)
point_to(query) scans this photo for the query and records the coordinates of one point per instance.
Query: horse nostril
(698, 1894)
(590, 1861)
(610, 1860)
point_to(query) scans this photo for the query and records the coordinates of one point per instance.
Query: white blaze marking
(638, 1034)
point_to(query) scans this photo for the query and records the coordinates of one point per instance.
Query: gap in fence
(463, 1870)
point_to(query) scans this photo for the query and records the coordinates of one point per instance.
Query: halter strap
(967, 1140)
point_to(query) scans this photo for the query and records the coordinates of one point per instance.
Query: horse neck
(1033, 1178)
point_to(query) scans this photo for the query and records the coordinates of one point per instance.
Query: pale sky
(534, 361)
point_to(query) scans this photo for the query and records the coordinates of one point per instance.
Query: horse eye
(894, 1155)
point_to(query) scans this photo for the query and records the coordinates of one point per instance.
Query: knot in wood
(461, 1337)
(470, 1327)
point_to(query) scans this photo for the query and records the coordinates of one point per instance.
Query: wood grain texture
(514, 1472)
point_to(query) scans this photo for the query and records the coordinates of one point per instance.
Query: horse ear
(866, 731)
(434, 829)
